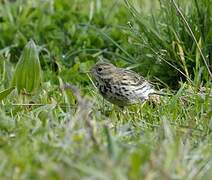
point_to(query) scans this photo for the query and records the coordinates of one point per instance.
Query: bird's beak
(86, 72)
(90, 71)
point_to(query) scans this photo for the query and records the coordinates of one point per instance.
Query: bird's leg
(122, 113)
(103, 102)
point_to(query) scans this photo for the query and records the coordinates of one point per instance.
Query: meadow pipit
(120, 86)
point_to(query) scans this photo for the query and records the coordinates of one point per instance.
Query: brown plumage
(120, 86)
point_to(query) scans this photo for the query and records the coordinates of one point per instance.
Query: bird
(121, 86)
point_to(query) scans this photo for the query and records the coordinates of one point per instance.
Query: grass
(46, 134)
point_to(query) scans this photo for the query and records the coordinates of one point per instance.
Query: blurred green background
(148, 36)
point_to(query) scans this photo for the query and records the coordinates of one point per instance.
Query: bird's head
(103, 71)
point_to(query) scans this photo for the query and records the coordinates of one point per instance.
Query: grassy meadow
(51, 130)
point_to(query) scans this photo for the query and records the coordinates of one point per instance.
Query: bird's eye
(99, 69)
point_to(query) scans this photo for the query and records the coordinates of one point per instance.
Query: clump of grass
(174, 38)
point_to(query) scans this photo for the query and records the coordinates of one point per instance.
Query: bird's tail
(160, 93)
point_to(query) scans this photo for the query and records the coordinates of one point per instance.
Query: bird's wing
(135, 83)
(128, 77)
